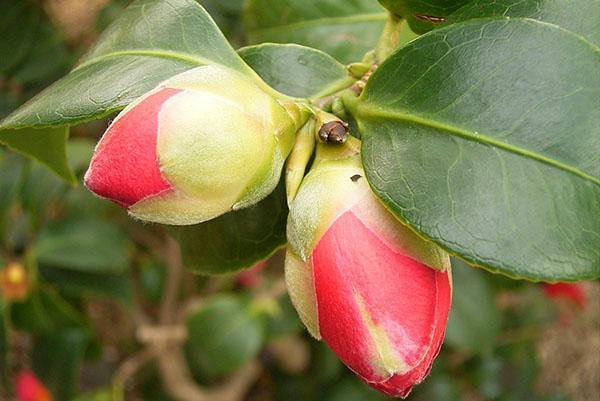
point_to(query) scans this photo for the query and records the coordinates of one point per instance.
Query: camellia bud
(29, 388)
(203, 143)
(367, 285)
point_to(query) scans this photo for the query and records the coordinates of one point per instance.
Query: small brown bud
(335, 132)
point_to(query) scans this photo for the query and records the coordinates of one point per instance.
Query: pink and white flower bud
(373, 290)
(203, 143)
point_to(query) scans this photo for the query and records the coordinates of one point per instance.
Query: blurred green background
(104, 296)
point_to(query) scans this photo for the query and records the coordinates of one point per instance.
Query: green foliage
(147, 44)
(479, 143)
(296, 70)
(482, 135)
(89, 246)
(237, 239)
(346, 30)
(57, 359)
(423, 15)
(223, 336)
(474, 322)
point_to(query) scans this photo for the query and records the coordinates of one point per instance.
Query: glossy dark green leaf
(296, 70)
(238, 239)
(423, 15)
(579, 16)
(18, 24)
(344, 29)
(57, 359)
(46, 145)
(484, 136)
(222, 336)
(85, 245)
(151, 41)
(474, 322)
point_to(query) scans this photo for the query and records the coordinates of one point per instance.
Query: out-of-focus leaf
(474, 322)
(438, 386)
(151, 41)
(351, 389)
(222, 336)
(344, 29)
(578, 16)
(18, 22)
(98, 395)
(152, 279)
(57, 359)
(40, 180)
(3, 344)
(85, 245)
(296, 70)
(47, 59)
(45, 311)
(46, 145)
(11, 177)
(8, 102)
(423, 15)
(79, 151)
(227, 14)
(116, 286)
(238, 239)
(285, 321)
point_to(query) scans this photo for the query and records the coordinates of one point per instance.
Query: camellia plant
(456, 128)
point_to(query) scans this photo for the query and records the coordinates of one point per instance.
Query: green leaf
(423, 15)
(45, 311)
(97, 395)
(47, 59)
(344, 29)
(57, 359)
(12, 168)
(48, 146)
(227, 14)
(223, 336)
(483, 137)
(474, 322)
(85, 245)
(296, 70)
(3, 345)
(579, 16)
(115, 286)
(238, 239)
(18, 23)
(151, 41)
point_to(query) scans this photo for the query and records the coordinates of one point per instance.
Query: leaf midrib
(366, 112)
(195, 60)
(321, 22)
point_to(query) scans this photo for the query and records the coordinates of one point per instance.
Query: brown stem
(166, 343)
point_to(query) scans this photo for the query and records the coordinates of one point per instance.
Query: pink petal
(125, 167)
(404, 299)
